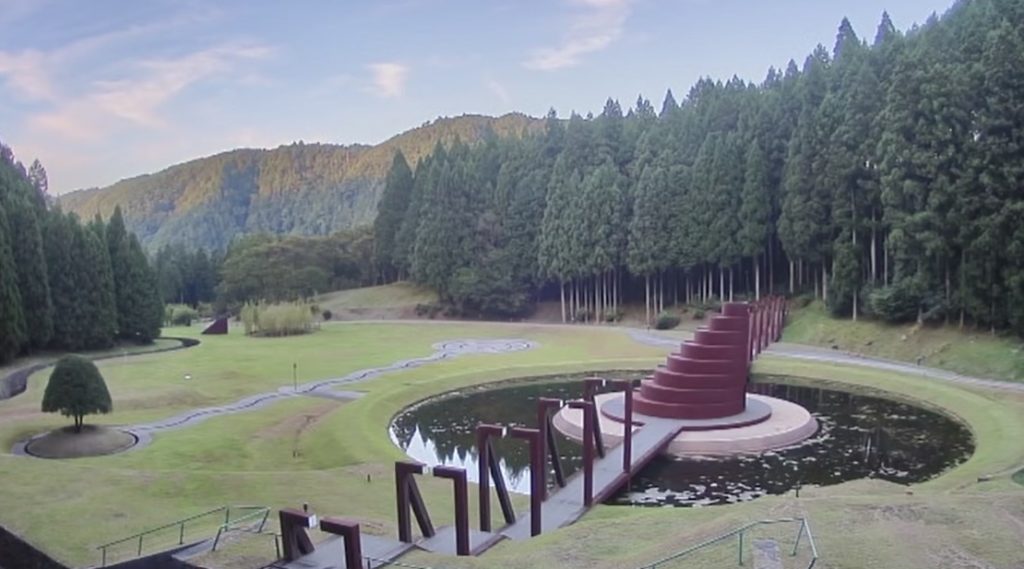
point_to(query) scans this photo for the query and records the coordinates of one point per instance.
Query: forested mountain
(304, 189)
(885, 176)
(64, 284)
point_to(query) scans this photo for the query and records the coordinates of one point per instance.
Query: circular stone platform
(757, 411)
(788, 424)
(94, 440)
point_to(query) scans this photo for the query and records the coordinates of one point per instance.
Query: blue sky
(101, 90)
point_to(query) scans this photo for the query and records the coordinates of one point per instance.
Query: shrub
(584, 315)
(282, 319)
(898, 302)
(666, 321)
(612, 316)
(76, 389)
(698, 314)
(179, 315)
(430, 310)
(327, 314)
(802, 301)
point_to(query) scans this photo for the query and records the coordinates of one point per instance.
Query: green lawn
(321, 452)
(969, 352)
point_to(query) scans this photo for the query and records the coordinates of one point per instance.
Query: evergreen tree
(12, 320)
(27, 250)
(390, 212)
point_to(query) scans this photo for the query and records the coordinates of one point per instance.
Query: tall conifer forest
(64, 284)
(884, 175)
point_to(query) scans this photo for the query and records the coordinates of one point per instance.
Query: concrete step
(657, 392)
(645, 406)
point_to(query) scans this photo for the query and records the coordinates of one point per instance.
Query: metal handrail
(262, 512)
(181, 530)
(804, 528)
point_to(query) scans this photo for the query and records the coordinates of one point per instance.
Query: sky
(102, 90)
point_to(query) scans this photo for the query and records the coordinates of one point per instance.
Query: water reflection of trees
(444, 428)
(860, 436)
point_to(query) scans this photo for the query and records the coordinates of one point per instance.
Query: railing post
(227, 514)
(181, 533)
(140, 545)
(103, 554)
(741, 548)
(799, 535)
(587, 407)
(263, 522)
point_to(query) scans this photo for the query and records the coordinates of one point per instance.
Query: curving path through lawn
(319, 388)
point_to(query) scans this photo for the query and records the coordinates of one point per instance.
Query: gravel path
(319, 388)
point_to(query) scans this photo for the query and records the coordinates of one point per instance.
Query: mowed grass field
(337, 456)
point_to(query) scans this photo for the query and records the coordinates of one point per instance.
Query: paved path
(320, 388)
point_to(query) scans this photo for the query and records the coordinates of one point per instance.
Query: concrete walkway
(320, 388)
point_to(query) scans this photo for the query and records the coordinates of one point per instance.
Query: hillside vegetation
(968, 351)
(307, 189)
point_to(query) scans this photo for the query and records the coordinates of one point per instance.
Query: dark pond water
(860, 435)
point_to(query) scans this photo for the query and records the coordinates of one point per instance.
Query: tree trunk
(947, 291)
(598, 298)
(963, 286)
(561, 290)
(792, 275)
(874, 247)
(730, 284)
(647, 298)
(771, 265)
(721, 284)
(800, 273)
(824, 281)
(757, 278)
(885, 262)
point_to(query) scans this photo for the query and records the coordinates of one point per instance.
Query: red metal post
(588, 449)
(590, 387)
(484, 432)
(461, 488)
(544, 407)
(532, 437)
(627, 433)
(349, 532)
(295, 533)
(409, 498)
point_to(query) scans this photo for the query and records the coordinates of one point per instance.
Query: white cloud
(388, 78)
(137, 98)
(595, 25)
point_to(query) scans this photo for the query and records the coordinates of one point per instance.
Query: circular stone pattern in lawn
(94, 440)
(862, 434)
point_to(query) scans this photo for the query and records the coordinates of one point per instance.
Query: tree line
(65, 284)
(883, 177)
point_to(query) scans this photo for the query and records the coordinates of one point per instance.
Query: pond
(861, 435)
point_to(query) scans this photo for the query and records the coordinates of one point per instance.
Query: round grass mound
(94, 440)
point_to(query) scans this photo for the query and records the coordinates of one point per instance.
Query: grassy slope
(397, 295)
(978, 354)
(248, 459)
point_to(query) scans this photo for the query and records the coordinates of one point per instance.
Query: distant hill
(308, 189)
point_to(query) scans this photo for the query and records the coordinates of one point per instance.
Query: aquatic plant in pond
(861, 435)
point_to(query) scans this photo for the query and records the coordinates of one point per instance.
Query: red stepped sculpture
(707, 377)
